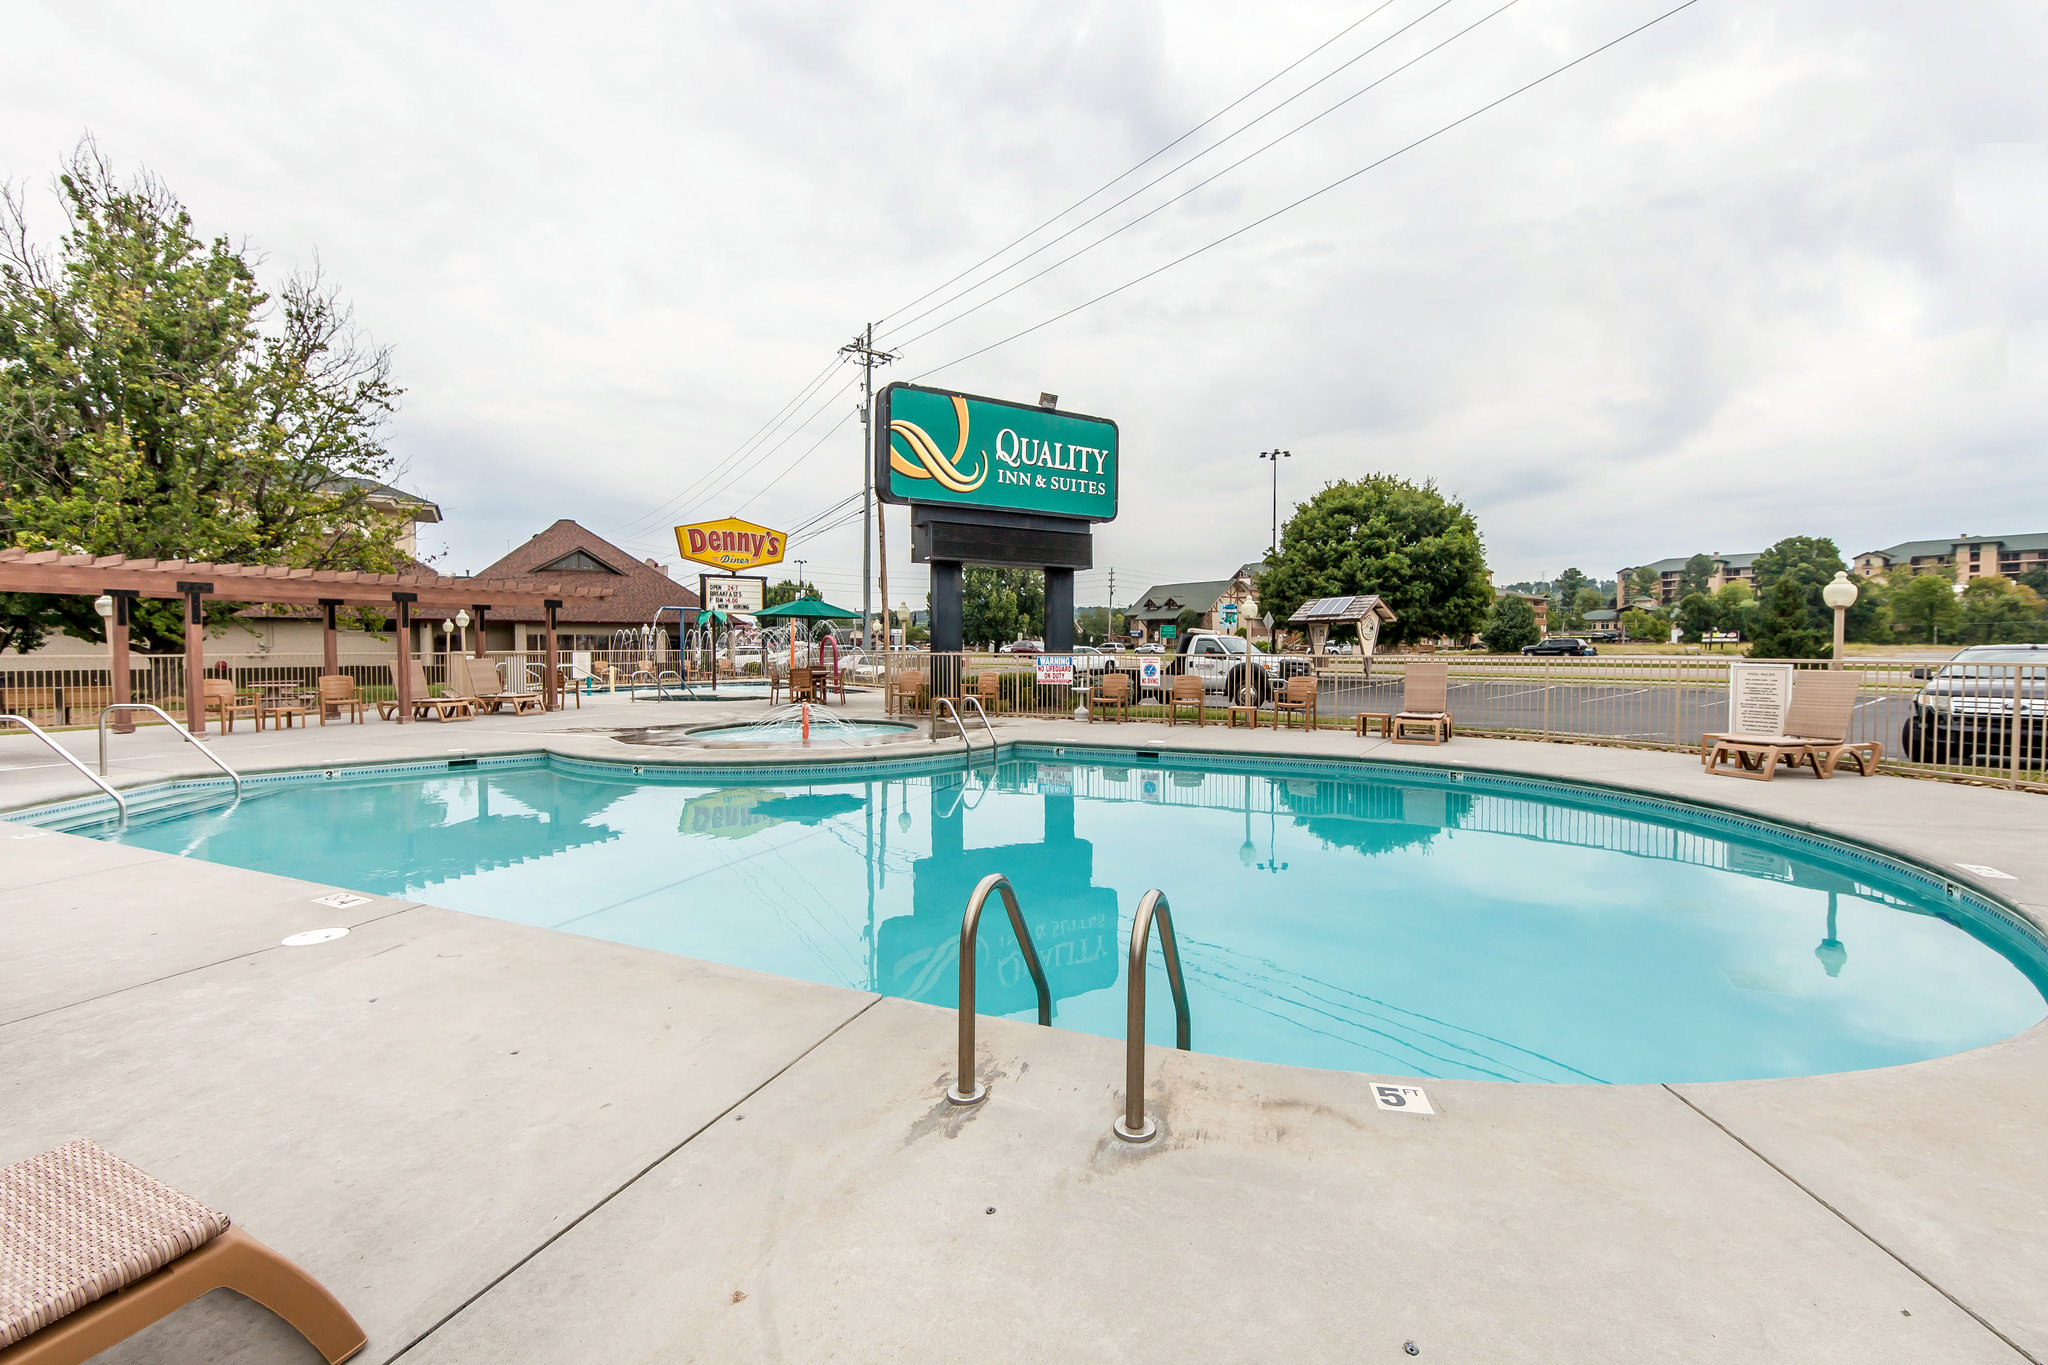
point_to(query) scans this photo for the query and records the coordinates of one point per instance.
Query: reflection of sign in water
(1055, 670)
(1055, 779)
(1148, 787)
(727, 814)
(742, 595)
(1758, 697)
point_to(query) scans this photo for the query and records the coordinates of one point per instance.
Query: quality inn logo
(930, 461)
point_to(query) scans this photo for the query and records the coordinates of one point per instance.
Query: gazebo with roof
(124, 579)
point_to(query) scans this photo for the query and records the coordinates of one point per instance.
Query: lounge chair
(220, 699)
(1112, 692)
(462, 686)
(1187, 691)
(338, 694)
(1299, 696)
(92, 1250)
(1425, 707)
(1817, 721)
(441, 708)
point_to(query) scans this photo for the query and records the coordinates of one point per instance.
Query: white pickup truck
(1220, 660)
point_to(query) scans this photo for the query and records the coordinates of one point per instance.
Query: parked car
(1025, 647)
(1149, 649)
(1604, 637)
(1964, 710)
(1560, 644)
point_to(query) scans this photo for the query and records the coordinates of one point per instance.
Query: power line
(1184, 164)
(1211, 179)
(1315, 194)
(728, 479)
(1139, 166)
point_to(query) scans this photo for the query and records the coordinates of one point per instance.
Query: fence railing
(1982, 721)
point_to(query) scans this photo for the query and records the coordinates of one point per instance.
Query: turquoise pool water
(1379, 920)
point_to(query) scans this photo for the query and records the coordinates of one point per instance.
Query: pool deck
(506, 1144)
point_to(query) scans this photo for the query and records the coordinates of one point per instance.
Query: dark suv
(1964, 711)
(1560, 644)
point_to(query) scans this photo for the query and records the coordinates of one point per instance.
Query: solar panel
(1336, 610)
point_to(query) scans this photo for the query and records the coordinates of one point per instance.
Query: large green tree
(156, 402)
(1782, 629)
(1696, 576)
(1564, 594)
(1511, 626)
(1415, 548)
(1001, 605)
(1924, 607)
(1997, 611)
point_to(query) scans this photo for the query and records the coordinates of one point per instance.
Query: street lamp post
(1841, 595)
(1276, 456)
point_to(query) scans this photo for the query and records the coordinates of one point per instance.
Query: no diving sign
(1407, 1099)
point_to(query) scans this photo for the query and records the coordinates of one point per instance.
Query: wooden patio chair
(93, 1250)
(1425, 706)
(441, 708)
(988, 690)
(1112, 692)
(338, 694)
(1822, 710)
(908, 688)
(221, 699)
(462, 686)
(804, 684)
(1301, 697)
(1187, 691)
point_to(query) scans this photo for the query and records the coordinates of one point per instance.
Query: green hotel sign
(964, 451)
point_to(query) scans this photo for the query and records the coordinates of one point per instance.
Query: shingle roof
(1151, 604)
(638, 588)
(1930, 549)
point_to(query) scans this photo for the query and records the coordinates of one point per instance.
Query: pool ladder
(960, 724)
(1132, 1125)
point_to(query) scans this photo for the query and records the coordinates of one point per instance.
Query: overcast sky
(1761, 270)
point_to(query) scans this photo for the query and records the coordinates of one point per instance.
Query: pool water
(825, 730)
(1376, 919)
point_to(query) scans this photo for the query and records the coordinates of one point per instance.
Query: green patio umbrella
(806, 608)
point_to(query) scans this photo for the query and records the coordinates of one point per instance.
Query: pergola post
(401, 668)
(117, 641)
(330, 641)
(195, 655)
(550, 685)
(478, 612)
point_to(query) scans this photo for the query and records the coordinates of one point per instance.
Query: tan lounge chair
(1425, 704)
(92, 1250)
(1817, 721)
(222, 700)
(1112, 692)
(907, 690)
(988, 690)
(1187, 691)
(462, 686)
(441, 708)
(338, 694)
(1300, 697)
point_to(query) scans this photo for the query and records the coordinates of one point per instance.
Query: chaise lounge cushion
(78, 1223)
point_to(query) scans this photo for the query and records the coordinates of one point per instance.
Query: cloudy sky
(1760, 270)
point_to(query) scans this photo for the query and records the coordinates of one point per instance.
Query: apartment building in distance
(1964, 557)
(1737, 568)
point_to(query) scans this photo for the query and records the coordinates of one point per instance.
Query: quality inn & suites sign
(957, 449)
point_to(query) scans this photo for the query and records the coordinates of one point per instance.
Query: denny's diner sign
(731, 544)
(945, 447)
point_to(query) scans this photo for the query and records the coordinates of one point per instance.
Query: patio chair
(805, 684)
(988, 690)
(907, 688)
(441, 708)
(338, 694)
(1817, 720)
(1425, 707)
(1300, 697)
(462, 687)
(221, 699)
(1112, 692)
(1187, 691)
(93, 1250)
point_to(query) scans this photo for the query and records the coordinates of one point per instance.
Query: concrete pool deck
(499, 1143)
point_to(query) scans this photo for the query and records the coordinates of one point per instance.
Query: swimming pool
(1368, 918)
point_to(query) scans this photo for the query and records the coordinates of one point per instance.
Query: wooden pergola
(125, 579)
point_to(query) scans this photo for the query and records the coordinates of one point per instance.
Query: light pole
(800, 576)
(1841, 595)
(462, 624)
(1276, 456)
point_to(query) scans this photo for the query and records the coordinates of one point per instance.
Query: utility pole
(863, 347)
(1109, 612)
(1276, 456)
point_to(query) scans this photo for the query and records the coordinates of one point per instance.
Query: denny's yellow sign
(731, 544)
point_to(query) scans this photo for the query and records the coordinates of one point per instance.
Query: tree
(1418, 550)
(1564, 596)
(1643, 625)
(788, 590)
(1001, 605)
(1510, 626)
(1590, 599)
(1782, 629)
(1697, 615)
(154, 403)
(1645, 584)
(1697, 576)
(2035, 578)
(1924, 606)
(1997, 611)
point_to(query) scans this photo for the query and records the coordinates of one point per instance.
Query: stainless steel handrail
(960, 724)
(1132, 1125)
(25, 723)
(965, 1089)
(176, 729)
(975, 702)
